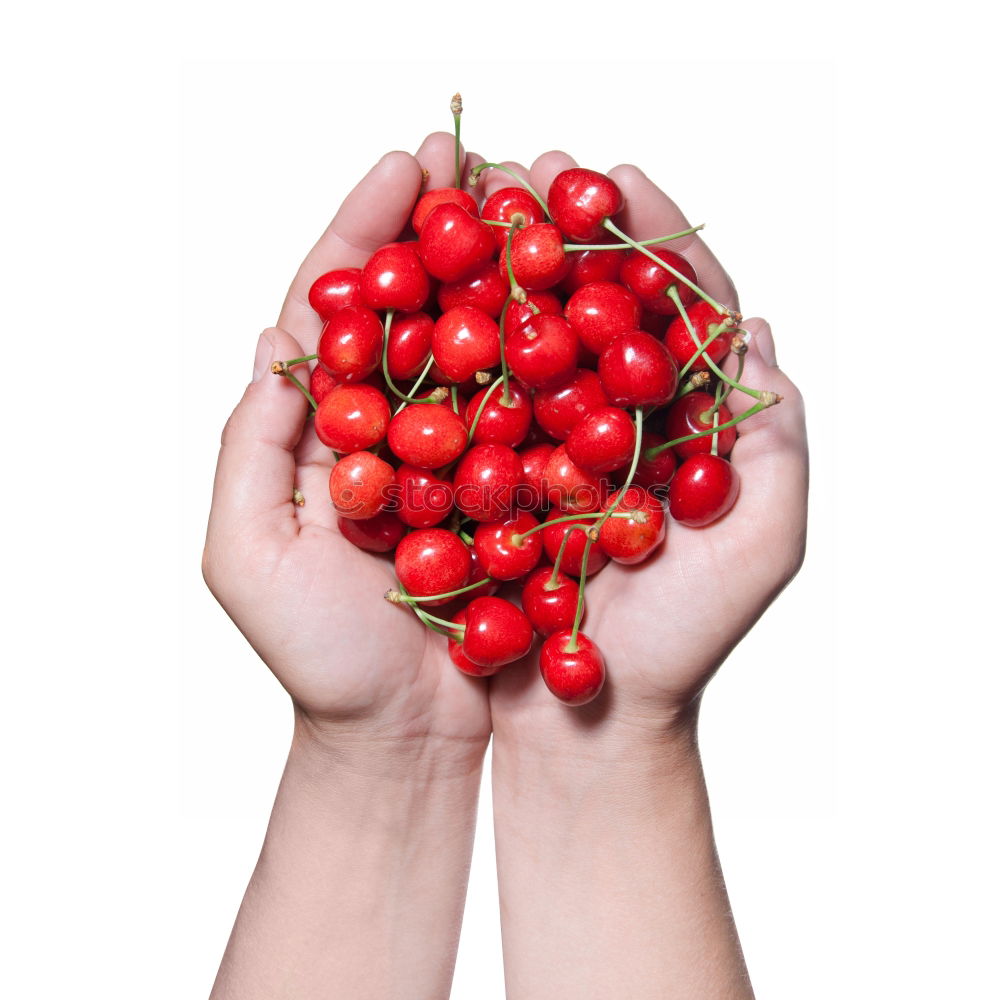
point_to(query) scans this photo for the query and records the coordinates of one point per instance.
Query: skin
(362, 878)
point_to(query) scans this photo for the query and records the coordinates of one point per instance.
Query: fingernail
(764, 342)
(262, 359)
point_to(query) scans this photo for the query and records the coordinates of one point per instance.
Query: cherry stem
(482, 406)
(430, 620)
(454, 399)
(520, 536)
(672, 293)
(418, 383)
(456, 114)
(407, 599)
(281, 368)
(389, 313)
(715, 423)
(299, 361)
(719, 400)
(767, 399)
(611, 227)
(476, 171)
(552, 582)
(637, 243)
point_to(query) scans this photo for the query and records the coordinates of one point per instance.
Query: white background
(162, 181)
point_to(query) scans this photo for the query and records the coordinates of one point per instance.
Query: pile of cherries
(510, 399)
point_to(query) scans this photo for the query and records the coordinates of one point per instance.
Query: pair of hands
(357, 668)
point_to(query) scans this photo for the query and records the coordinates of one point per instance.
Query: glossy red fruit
(394, 278)
(441, 196)
(542, 351)
(601, 311)
(637, 370)
(587, 266)
(518, 312)
(380, 533)
(580, 200)
(657, 471)
(535, 491)
(334, 290)
(496, 632)
(572, 488)
(603, 441)
(502, 205)
(690, 415)
(487, 480)
(574, 675)
(485, 288)
(432, 561)
(703, 489)
(572, 560)
(476, 574)
(422, 498)
(427, 435)
(503, 553)
(321, 382)
(409, 344)
(630, 540)
(457, 651)
(360, 485)
(465, 341)
(500, 422)
(706, 322)
(352, 417)
(559, 410)
(454, 243)
(549, 608)
(537, 256)
(350, 345)
(650, 281)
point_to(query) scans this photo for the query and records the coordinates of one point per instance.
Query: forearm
(609, 880)
(360, 886)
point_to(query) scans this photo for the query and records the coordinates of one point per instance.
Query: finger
(545, 168)
(436, 155)
(313, 462)
(373, 214)
(648, 212)
(472, 160)
(497, 180)
(255, 476)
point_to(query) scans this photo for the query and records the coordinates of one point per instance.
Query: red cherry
(360, 485)
(603, 441)
(427, 435)
(321, 382)
(630, 540)
(689, 415)
(537, 256)
(534, 460)
(422, 499)
(518, 312)
(637, 370)
(587, 266)
(441, 196)
(500, 422)
(571, 487)
(496, 632)
(705, 321)
(394, 278)
(573, 677)
(580, 200)
(542, 351)
(487, 480)
(654, 323)
(352, 417)
(409, 344)
(476, 574)
(432, 561)
(503, 553)
(380, 533)
(485, 288)
(549, 610)
(334, 290)
(351, 343)
(457, 651)
(558, 411)
(656, 471)
(650, 282)
(465, 341)
(507, 202)
(454, 243)
(703, 489)
(599, 312)
(572, 560)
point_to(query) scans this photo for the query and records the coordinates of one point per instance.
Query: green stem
(429, 620)
(767, 399)
(389, 313)
(456, 114)
(506, 170)
(438, 597)
(722, 310)
(720, 401)
(299, 361)
(640, 243)
(553, 579)
(284, 373)
(482, 406)
(454, 399)
(416, 385)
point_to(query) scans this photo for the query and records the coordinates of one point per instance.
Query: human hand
(306, 599)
